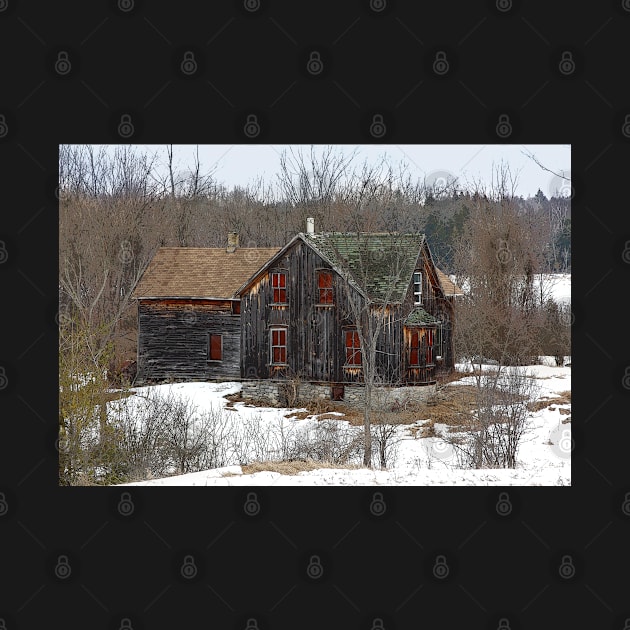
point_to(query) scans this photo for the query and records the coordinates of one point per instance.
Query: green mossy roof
(373, 259)
(419, 317)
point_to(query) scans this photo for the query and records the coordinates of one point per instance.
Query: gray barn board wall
(173, 337)
(315, 333)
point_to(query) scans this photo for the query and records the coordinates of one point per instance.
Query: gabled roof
(200, 272)
(448, 286)
(419, 317)
(374, 260)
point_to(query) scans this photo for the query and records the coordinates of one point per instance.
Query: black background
(375, 58)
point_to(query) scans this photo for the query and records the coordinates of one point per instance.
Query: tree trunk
(367, 437)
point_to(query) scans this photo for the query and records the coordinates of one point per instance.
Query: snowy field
(543, 457)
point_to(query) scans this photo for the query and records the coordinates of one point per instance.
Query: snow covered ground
(543, 457)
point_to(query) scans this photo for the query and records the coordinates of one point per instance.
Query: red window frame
(429, 337)
(414, 348)
(278, 346)
(325, 286)
(215, 347)
(279, 287)
(353, 348)
(416, 345)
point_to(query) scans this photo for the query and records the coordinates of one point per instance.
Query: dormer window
(417, 287)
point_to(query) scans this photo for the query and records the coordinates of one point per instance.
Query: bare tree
(494, 430)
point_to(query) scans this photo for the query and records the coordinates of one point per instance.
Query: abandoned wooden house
(299, 311)
(268, 315)
(188, 313)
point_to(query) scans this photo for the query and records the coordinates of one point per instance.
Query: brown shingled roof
(200, 272)
(448, 286)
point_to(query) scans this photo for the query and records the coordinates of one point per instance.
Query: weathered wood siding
(315, 346)
(316, 333)
(173, 337)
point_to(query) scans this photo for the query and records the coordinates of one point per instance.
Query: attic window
(279, 286)
(325, 285)
(417, 287)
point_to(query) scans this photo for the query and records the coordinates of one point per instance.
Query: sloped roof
(373, 259)
(200, 272)
(448, 286)
(419, 317)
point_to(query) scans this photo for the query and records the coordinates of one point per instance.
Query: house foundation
(290, 394)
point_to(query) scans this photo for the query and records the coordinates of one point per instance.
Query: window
(417, 287)
(325, 285)
(236, 307)
(215, 348)
(414, 348)
(353, 348)
(279, 286)
(278, 345)
(417, 345)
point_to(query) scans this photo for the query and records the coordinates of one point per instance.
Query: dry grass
(563, 398)
(291, 467)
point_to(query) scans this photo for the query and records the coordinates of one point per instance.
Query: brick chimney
(232, 242)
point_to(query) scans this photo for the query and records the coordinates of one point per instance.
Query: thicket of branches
(118, 206)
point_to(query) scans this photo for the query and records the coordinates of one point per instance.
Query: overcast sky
(242, 164)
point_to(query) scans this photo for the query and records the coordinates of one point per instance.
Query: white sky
(242, 164)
